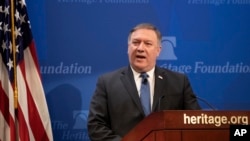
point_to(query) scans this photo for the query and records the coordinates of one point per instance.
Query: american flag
(30, 120)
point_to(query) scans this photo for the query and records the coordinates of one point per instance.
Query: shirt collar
(137, 74)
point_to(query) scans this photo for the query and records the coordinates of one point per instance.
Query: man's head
(144, 46)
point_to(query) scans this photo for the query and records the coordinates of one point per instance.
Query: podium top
(187, 120)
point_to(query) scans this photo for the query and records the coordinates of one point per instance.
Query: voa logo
(168, 45)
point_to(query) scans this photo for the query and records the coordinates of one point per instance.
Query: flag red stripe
(34, 56)
(23, 128)
(35, 121)
(4, 109)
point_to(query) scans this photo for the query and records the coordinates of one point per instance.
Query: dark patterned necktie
(145, 94)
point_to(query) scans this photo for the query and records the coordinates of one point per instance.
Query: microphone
(203, 100)
(159, 108)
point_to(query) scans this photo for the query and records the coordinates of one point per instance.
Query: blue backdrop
(77, 40)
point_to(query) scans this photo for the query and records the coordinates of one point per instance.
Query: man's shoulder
(116, 72)
(173, 76)
(169, 72)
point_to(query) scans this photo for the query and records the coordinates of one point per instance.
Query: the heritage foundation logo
(74, 131)
(169, 43)
(80, 118)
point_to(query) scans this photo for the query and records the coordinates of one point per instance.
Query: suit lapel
(160, 84)
(128, 81)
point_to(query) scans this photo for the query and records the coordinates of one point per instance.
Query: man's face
(143, 49)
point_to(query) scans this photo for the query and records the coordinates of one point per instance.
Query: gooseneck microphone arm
(203, 100)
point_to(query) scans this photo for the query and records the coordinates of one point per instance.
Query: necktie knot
(144, 77)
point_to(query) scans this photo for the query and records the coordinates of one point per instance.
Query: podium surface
(185, 125)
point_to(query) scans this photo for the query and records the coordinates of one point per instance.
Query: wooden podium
(183, 125)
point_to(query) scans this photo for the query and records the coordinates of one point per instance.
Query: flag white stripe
(37, 92)
(22, 100)
(7, 88)
(4, 129)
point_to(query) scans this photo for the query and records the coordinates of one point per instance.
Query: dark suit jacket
(115, 107)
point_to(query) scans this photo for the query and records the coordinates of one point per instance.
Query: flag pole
(12, 5)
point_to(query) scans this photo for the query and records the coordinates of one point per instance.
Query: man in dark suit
(116, 107)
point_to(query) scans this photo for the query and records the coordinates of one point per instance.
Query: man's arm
(190, 101)
(99, 127)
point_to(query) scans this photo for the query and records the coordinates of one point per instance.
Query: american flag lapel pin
(160, 77)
